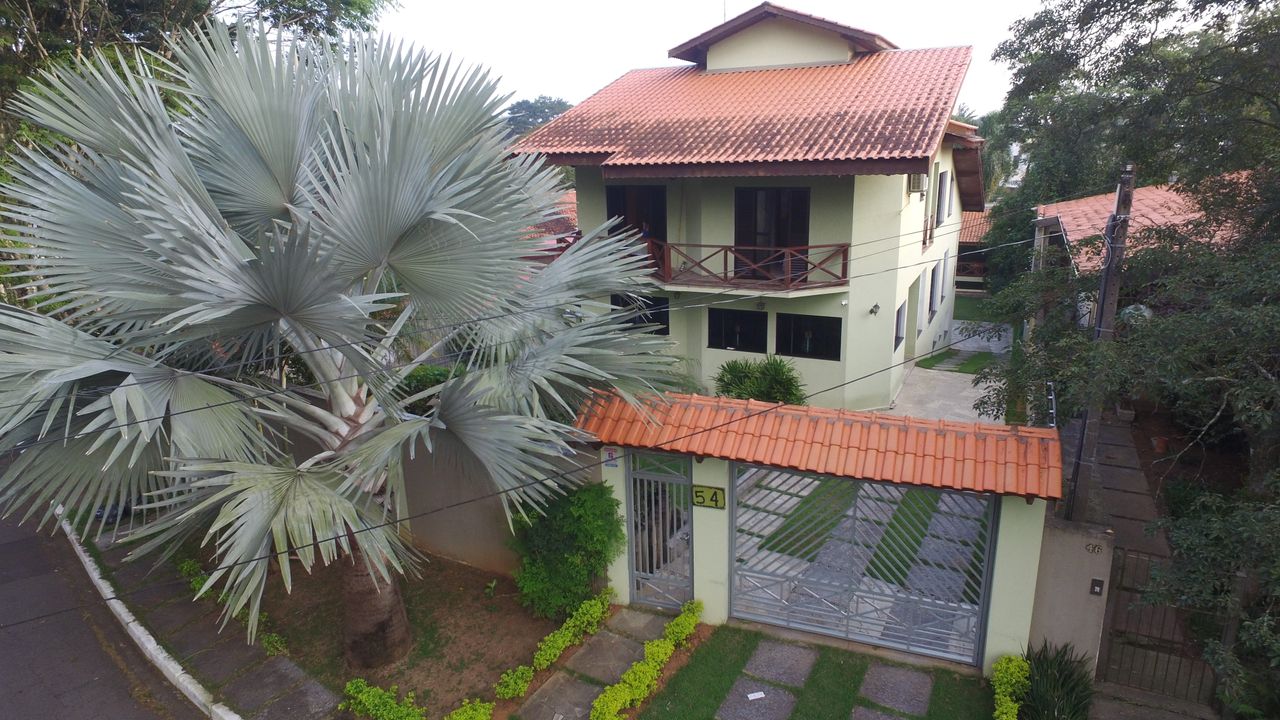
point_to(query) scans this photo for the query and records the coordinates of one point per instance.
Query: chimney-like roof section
(695, 50)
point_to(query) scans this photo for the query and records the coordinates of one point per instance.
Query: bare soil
(466, 636)
(1171, 455)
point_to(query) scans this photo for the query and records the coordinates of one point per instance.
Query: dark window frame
(900, 325)
(641, 207)
(718, 330)
(657, 311)
(788, 325)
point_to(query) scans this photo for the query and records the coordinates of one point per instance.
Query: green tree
(296, 195)
(524, 116)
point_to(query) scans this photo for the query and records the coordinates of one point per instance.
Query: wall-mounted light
(875, 309)
(760, 305)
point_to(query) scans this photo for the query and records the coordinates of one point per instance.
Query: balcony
(751, 268)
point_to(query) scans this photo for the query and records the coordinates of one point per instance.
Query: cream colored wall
(777, 42)
(1013, 579)
(614, 474)
(711, 540)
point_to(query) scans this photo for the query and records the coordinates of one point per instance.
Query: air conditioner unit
(917, 183)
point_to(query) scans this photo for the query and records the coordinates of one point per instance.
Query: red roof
(973, 226)
(566, 223)
(1084, 218)
(979, 457)
(892, 105)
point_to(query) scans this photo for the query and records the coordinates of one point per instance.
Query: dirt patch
(1175, 463)
(467, 635)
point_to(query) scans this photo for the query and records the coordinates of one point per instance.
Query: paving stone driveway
(777, 672)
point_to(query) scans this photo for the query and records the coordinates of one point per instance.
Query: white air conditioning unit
(917, 183)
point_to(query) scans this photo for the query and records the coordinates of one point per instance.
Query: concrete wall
(777, 42)
(1019, 532)
(1072, 557)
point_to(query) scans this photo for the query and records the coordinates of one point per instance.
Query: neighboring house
(971, 262)
(918, 535)
(801, 177)
(1079, 224)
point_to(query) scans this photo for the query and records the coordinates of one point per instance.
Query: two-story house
(800, 186)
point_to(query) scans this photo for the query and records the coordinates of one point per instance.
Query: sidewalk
(77, 665)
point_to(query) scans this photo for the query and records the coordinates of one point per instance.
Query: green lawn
(973, 308)
(807, 527)
(933, 360)
(830, 693)
(975, 363)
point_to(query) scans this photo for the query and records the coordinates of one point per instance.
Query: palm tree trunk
(375, 626)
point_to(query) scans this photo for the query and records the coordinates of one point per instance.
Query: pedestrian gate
(661, 537)
(884, 564)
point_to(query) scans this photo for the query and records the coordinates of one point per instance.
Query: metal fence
(659, 505)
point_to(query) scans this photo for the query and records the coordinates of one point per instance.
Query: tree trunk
(375, 626)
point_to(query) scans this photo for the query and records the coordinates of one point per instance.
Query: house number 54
(707, 496)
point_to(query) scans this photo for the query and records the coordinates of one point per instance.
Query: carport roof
(977, 457)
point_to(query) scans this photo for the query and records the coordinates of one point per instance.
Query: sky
(572, 48)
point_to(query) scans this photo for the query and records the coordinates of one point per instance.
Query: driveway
(76, 665)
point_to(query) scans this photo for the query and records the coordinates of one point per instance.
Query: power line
(486, 496)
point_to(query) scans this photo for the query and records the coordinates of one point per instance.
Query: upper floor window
(900, 326)
(642, 207)
(943, 199)
(654, 311)
(808, 336)
(935, 289)
(742, 330)
(771, 217)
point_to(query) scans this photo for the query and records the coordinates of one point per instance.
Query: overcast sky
(572, 48)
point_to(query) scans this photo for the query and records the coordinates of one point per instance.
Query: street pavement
(76, 665)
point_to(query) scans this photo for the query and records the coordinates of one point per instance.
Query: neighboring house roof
(943, 454)
(882, 112)
(695, 50)
(1084, 218)
(567, 222)
(973, 226)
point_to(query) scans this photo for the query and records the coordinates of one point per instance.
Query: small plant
(1009, 681)
(1060, 686)
(565, 549)
(273, 644)
(773, 379)
(584, 621)
(190, 569)
(681, 627)
(472, 710)
(514, 683)
(371, 701)
(491, 588)
(641, 679)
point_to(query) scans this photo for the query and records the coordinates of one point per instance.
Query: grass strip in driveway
(808, 525)
(929, 363)
(956, 697)
(896, 553)
(832, 688)
(695, 693)
(974, 364)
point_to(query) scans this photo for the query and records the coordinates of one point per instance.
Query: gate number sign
(707, 496)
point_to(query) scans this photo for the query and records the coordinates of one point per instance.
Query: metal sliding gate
(661, 539)
(900, 567)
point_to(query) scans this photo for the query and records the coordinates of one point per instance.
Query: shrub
(376, 703)
(190, 569)
(472, 710)
(773, 379)
(514, 683)
(641, 679)
(584, 621)
(1061, 684)
(682, 626)
(425, 377)
(564, 550)
(1009, 681)
(273, 644)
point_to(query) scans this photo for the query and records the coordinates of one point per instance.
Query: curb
(164, 662)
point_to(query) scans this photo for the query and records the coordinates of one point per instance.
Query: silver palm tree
(249, 201)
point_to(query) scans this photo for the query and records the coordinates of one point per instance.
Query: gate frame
(988, 571)
(629, 480)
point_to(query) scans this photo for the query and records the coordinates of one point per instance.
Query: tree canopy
(524, 116)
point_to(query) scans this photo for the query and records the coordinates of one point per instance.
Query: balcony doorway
(642, 208)
(771, 233)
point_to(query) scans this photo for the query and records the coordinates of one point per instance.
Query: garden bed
(466, 634)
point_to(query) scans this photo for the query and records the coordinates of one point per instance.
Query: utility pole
(1084, 475)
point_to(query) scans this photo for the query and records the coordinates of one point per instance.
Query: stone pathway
(777, 671)
(601, 660)
(242, 676)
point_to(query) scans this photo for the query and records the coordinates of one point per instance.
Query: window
(649, 311)
(935, 289)
(742, 330)
(922, 305)
(771, 217)
(943, 199)
(643, 207)
(808, 336)
(900, 326)
(946, 272)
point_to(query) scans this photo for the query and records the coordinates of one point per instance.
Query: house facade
(799, 186)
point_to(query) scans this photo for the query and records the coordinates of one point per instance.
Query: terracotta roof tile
(980, 457)
(1084, 218)
(886, 105)
(973, 226)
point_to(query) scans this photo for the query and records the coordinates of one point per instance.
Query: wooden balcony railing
(773, 268)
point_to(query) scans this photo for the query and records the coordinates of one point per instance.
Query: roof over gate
(978, 457)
